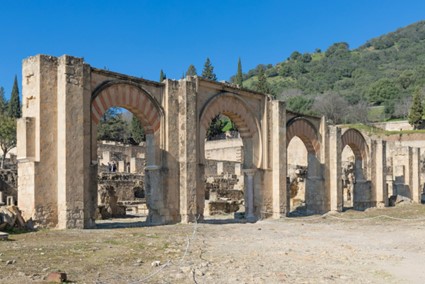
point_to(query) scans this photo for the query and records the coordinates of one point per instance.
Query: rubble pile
(10, 218)
(221, 195)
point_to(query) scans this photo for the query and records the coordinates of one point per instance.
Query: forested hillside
(381, 75)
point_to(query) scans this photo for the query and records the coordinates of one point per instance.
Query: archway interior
(297, 174)
(348, 172)
(122, 157)
(223, 164)
(314, 198)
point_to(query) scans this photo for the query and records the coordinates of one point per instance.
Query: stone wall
(224, 150)
(128, 187)
(8, 186)
(394, 125)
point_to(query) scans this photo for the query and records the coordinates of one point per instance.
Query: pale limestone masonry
(64, 98)
(224, 150)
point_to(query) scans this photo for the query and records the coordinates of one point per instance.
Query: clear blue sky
(140, 38)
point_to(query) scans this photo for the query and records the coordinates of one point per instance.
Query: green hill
(385, 72)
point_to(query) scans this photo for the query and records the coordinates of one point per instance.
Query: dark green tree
(295, 55)
(262, 85)
(14, 106)
(191, 71)
(239, 75)
(162, 76)
(137, 130)
(7, 136)
(113, 127)
(416, 111)
(382, 90)
(208, 71)
(3, 102)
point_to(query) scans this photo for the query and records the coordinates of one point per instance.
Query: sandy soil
(376, 246)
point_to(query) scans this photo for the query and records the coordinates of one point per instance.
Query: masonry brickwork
(64, 98)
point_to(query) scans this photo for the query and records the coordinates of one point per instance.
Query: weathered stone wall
(119, 152)
(394, 125)
(128, 187)
(224, 150)
(8, 185)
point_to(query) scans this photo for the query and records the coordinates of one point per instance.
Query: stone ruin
(64, 99)
(8, 186)
(296, 183)
(11, 218)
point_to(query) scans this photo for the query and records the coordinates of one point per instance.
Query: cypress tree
(191, 71)
(239, 77)
(14, 107)
(208, 71)
(262, 85)
(416, 111)
(162, 76)
(3, 102)
(137, 130)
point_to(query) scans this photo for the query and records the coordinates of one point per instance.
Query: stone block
(56, 277)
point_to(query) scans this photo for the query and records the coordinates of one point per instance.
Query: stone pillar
(219, 168)
(249, 194)
(415, 183)
(37, 141)
(106, 157)
(379, 187)
(278, 159)
(77, 200)
(191, 196)
(238, 170)
(334, 182)
(154, 195)
(10, 201)
(1, 198)
(121, 167)
(136, 165)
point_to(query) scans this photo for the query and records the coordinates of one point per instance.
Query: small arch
(357, 143)
(303, 129)
(233, 107)
(128, 95)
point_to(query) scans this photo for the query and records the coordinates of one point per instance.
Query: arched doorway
(311, 174)
(356, 182)
(297, 174)
(238, 111)
(139, 102)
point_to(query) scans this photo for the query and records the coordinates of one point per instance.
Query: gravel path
(338, 248)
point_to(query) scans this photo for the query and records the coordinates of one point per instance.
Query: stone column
(415, 183)
(191, 201)
(37, 142)
(249, 194)
(154, 198)
(278, 159)
(379, 173)
(77, 199)
(1, 198)
(219, 168)
(333, 166)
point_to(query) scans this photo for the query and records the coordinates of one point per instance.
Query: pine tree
(208, 71)
(162, 76)
(14, 107)
(239, 77)
(3, 102)
(191, 71)
(137, 130)
(262, 85)
(416, 111)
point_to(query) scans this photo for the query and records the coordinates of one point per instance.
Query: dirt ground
(376, 246)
